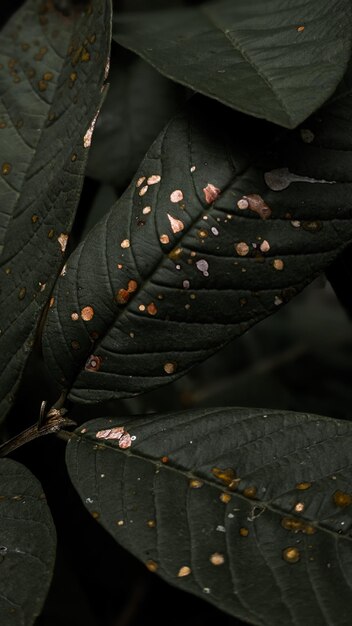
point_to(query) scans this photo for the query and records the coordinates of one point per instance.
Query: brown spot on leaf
(6, 168)
(303, 486)
(258, 205)
(311, 227)
(250, 492)
(152, 309)
(169, 368)
(87, 313)
(342, 499)
(226, 476)
(291, 555)
(225, 497)
(297, 525)
(278, 264)
(184, 571)
(151, 565)
(94, 363)
(194, 483)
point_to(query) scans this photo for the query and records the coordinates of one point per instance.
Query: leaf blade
(225, 535)
(28, 541)
(160, 297)
(50, 92)
(264, 60)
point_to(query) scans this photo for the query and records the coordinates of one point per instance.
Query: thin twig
(51, 422)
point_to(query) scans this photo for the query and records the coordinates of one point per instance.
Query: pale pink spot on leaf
(176, 225)
(154, 179)
(211, 193)
(176, 196)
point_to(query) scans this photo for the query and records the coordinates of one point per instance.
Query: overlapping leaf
(249, 509)
(276, 60)
(139, 103)
(27, 545)
(52, 72)
(227, 218)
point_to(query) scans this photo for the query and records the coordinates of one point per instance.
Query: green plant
(242, 200)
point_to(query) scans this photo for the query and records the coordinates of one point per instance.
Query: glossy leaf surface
(272, 59)
(227, 218)
(51, 77)
(249, 509)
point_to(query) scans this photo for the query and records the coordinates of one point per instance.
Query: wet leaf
(227, 219)
(28, 542)
(52, 73)
(270, 60)
(247, 508)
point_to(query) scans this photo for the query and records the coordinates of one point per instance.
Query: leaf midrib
(221, 488)
(247, 59)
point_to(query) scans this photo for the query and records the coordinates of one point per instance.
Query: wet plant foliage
(172, 176)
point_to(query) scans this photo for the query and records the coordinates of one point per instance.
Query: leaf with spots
(52, 71)
(227, 218)
(280, 61)
(249, 509)
(27, 545)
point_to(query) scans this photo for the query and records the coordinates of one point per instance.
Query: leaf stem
(52, 422)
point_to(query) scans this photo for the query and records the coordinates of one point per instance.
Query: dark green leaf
(159, 285)
(27, 550)
(103, 199)
(52, 72)
(249, 509)
(280, 61)
(139, 103)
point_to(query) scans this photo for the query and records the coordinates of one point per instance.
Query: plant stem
(53, 425)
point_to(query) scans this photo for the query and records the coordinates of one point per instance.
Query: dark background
(298, 359)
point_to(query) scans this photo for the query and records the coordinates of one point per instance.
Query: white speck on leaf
(221, 529)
